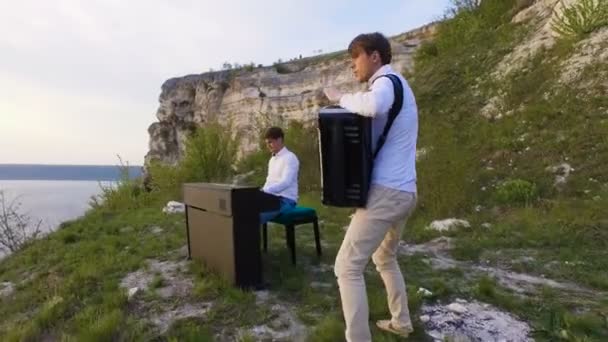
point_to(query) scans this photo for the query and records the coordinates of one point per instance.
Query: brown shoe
(386, 325)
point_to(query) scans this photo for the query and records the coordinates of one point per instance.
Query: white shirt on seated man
(282, 179)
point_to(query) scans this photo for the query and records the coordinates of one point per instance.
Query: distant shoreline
(49, 172)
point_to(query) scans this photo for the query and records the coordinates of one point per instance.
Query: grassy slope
(72, 290)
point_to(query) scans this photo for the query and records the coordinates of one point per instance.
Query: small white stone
(457, 308)
(425, 318)
(486, 225)
(132, 292)
(174, 207)
(424, 292)
(436, 335)
(6, 289)
(262, 296)
(156, 230)
(448, 224)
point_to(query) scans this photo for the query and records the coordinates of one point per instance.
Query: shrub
(16, 228)
(209, 157)
(581, 18)
(516, 191)
(127, 193)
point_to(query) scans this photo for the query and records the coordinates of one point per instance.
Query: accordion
(345, 150)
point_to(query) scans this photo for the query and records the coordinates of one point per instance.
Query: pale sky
(80, 80)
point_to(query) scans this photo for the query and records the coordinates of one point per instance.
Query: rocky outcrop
(244, 97)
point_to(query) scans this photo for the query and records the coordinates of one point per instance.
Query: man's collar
(281, 151)
(385, 69)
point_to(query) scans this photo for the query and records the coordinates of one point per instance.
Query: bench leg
(291, 241)
(317, 236)
(265, 236)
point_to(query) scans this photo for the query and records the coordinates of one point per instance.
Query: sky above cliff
(79, 80)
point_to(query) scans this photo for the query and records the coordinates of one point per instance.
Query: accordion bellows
(345, 148)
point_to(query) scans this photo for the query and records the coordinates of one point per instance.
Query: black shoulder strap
(393, 112)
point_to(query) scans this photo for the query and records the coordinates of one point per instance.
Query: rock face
(245, 97)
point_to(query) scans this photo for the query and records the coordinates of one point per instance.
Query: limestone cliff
(289, 91)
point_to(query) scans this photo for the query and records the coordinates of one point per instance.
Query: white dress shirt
(395, 165)
(282, 177)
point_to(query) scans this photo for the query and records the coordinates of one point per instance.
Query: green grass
(478, 169)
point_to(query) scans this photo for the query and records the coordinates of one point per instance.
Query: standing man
(282, 179)
(375, 231)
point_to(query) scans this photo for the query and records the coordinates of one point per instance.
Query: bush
(282, 68)
(209, 157)
(581, 18)
(302, 139)
(255, 163)
(467, 22)
(428, 49)
(126, 194)
(516, 191)
(16, 229)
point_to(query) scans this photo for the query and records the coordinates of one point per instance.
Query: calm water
(51, 201)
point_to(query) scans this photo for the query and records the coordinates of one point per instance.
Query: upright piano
(223, 229)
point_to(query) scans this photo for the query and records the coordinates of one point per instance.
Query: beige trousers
(374, 232)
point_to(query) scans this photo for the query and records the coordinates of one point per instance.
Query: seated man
(282, 179)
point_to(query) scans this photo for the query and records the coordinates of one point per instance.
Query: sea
(53, 194)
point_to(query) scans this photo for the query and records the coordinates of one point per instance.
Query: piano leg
(265, 236)
(188, 233)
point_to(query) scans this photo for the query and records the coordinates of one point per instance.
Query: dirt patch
(171, 298)
(437, 253)
(472, 321)
(283, 326)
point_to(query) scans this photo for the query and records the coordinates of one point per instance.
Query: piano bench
(295, 217)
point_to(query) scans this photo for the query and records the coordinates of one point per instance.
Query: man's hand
(333, 94)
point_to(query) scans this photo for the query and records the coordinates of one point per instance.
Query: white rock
(262, 296)
(132, 292)
(482, 322)
(6, 289)
(421, 153)
(562, 172)
(126, 230)
(486, 225)
(156, 230)
(424, 292)
(436, 335)
(457, 308)
(425, 318)
(448, 224)
(174, 207)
